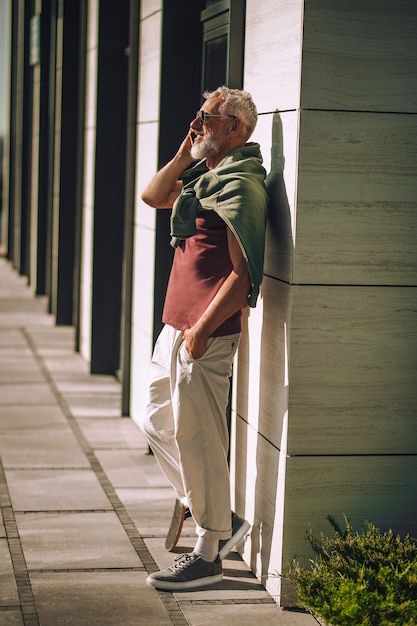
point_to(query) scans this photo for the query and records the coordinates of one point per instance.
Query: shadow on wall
(272, 378)
(279, 248)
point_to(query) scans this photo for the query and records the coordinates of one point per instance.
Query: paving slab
(245, 614)
(79, 384)
(99, 405)
(55, 490)
(25, 319)
(52, 449)
(26, 393)
(75, 540)
(21, 418)
(12, 337)
(13, 373)
(13, 285)
(67, 363)
(112, 433)
(131, 468)
(104, 598)
(8, 588)
(11, 617)
(151, 510)
(58, 335)
(23, 301)
(10, 353)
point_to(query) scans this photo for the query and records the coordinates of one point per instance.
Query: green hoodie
(235, 189)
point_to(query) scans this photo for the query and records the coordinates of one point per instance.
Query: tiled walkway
(84, 508)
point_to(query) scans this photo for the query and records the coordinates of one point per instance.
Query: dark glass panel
(215, 62)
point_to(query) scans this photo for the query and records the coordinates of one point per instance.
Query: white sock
(207, 548)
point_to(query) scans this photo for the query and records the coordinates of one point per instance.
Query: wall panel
(258, 489)
(88, 181)
(149, 63)
(360, 55)
(273, 53)
(145, 216)
(34, 186)
(277, 133)
(147, 7)
(356, 207)
(261, 387)
(379, 489)
(353, 373)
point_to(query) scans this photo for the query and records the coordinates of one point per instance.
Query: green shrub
(367, 577)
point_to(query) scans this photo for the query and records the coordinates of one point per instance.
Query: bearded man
(215, 187)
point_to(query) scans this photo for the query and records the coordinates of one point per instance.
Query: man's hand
(184, 151)
(165, 187)
(232, 296)
(195, 342)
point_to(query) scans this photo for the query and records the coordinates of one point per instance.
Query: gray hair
(238, 103)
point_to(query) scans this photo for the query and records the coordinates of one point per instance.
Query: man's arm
(165, 186)
(231, 297)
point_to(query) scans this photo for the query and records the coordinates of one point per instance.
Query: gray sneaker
(188, 572)
(240, 527)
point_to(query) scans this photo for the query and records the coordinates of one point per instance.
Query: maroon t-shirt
(201, 265)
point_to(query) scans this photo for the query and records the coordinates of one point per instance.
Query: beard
(205, 148)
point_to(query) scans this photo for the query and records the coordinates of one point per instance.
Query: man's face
(204, 146)
(210, 136)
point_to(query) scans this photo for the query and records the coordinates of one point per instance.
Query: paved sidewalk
(84, 508)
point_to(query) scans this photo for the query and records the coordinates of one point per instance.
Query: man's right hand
(165, 187)
(184, 151)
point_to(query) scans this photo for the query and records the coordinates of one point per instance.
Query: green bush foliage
(367, 577)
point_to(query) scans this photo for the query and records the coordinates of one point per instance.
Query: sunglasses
(202, 116)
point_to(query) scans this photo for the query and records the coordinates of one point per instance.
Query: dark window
(223, 43)
(215, 62)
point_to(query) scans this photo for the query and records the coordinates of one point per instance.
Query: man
(218, 226)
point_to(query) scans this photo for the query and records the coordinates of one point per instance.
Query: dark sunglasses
(202, 115)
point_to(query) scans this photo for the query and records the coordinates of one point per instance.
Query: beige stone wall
(144, 222)
(56, 164)
(90, 125)
(324, 415)
(326, 380)
(34, 160)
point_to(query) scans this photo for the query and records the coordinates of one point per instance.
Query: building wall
(326, 388)
(5, 74)
(273, 49)
(56, 165)
(325, 380)
(86, 273)
(34, 174)
(145, 217)
(16, 133)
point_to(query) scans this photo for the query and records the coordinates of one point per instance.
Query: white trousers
(185, 425)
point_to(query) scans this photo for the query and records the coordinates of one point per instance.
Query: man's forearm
(231, 297)
(165, 187)
(158, 193)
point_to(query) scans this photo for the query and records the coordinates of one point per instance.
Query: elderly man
(215, 187)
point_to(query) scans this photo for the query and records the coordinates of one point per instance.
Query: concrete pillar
(327, 380)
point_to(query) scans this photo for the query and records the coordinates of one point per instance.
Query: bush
(367, 577)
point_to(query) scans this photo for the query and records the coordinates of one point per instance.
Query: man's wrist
(182, 161)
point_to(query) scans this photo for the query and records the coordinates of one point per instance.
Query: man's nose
(196, 123)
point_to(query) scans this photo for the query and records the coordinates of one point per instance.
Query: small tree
(367, 577)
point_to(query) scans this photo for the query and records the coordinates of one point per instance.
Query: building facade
(323, 411)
